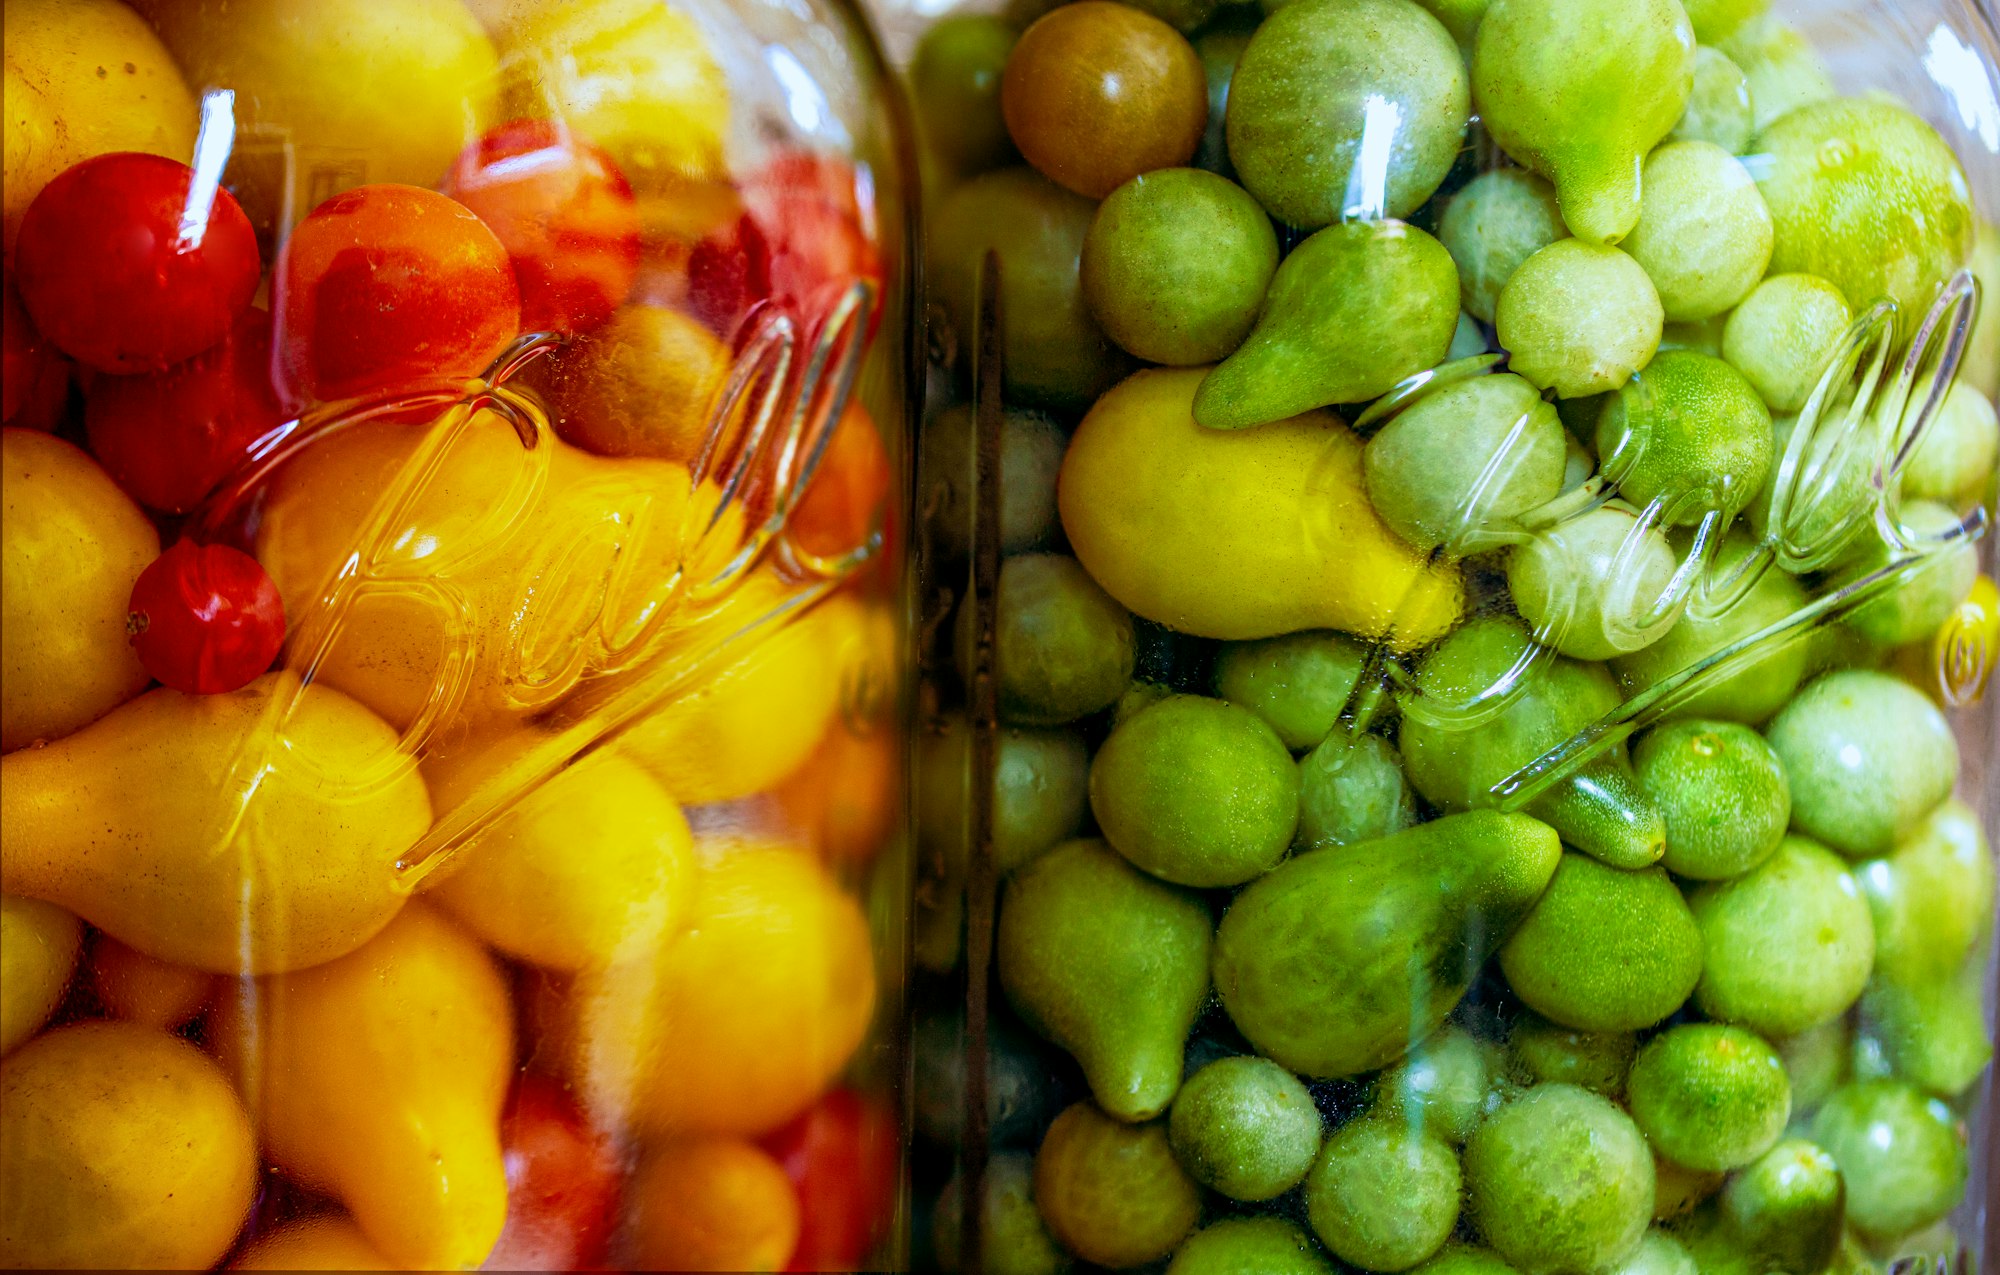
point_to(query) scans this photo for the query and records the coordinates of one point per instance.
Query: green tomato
(1013, 1239)
(1754, 691)
(1323, 83)
(1722, 792)
(1176, 263)
(1931, 897)
(1718, 19)
(1466, 1259)
(1054, 353)
(1352, 789)
(1579, 319)
(1606, 949)
(1932, 1033)
(1719, 109)
(1658, 1254)
(1704, 235)
(955, 76)
(1981, 366)
(1692, 433)
(1267, 1245)
(1560, 1180)
(1446, 1085)
(1062, 647)
(1788, 945)
(1382, 1197)
(1919, 598)
(1246, 1127)
(1301, 683)
(1588, 583)
(1709, 1096)
(1786, 1209)
(1497, 221)
(1197, 791)
(1783, 70)
(1783, 337)
(1031, 452)
(1112, 1193)
(1547, 1053)
(1902, 1154)
(1870, 198)
(1461, 465)
(1040, 789)
(1817, 1061)
(1868, 757)
(1954, 461)
(1219, 51)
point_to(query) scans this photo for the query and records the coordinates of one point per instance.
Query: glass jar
(455, 460)
(1455, 731)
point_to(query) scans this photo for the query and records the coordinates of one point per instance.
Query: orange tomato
(845, 498)
(135, 986)
(843, 800)
(714, 1204)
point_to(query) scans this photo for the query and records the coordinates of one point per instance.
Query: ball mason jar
(455, 477)
(1462, 616)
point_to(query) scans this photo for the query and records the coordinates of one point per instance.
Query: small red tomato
(562, 1184)
(388, 285)
(128, 264)
(842, 1156)
(27, 356)
(205, 619)
(565, 215)
(809, 223)
(169, 437)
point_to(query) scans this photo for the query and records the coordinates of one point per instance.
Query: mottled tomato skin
(565, 215)
(27, 355)
(808, 229)
(108, 275)
(206, 619)
(842, 1156)
(169, 437)
(386, 286)
(563, 1183)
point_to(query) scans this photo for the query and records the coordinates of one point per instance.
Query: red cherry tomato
(562, 1184)
(841, 1154)
(565, 215)
(809, 225)
(125, 271)
(388, 285)
(206, 619)
(169, 437)
(27, 356)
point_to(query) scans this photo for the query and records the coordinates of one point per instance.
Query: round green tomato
(1919, 598)
(1301, 683)
(1112, 1193)
(1709, 1096)
(1320, 83)
(1704, 235)
(1246, 1127)
(1719, 109)
(1040, 790)
(1588, 583)
(1606, 949)
(1176, 263)
(1955, 459)
(1031, 452)
(1352, 789)
(955, 75)
(1381, 1196)
(1547, 1053)
(1579, 319)
(1014, 1241)
(1869, 197)
(1267, 1245)
(1691, 432)
(1062, 647)
(1902, 1154)
(1817, 1061)
(1786, 1208)
(1783, 336)
(1499, 220)
(1560, 1180)
(1788, 945)
(1197, 791)
(1868, 756)
(1931, 897)
(1722, 792)
(1445, 1085)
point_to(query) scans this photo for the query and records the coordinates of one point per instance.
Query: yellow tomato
(84, 78)
(711, 1204)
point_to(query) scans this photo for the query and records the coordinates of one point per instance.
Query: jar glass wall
(455, 463)
(1462, 565)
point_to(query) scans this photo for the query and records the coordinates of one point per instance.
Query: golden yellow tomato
(83, 78)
